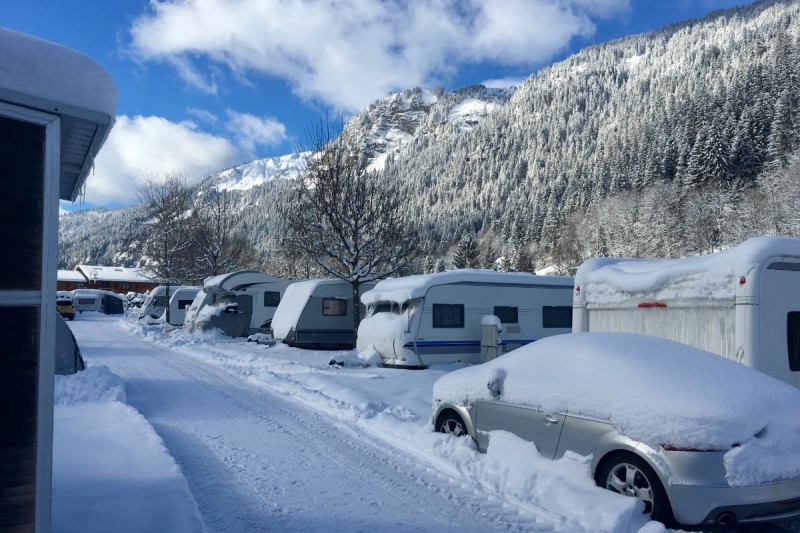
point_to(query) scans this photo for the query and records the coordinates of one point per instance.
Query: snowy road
(255, 461)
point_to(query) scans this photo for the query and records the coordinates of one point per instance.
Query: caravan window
(448, 315)
(507, 315)
(556, 316)
(334, 307)
(183, 304)
(272, 298)
(793, 339)
(386, 307)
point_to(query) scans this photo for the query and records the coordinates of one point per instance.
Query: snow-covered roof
(237, 281)
(714, 276)
(48, 77)
(71, 275)
(694, 399)
(410, 287)
(106, 273)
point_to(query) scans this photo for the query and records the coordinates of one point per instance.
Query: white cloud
(349, 52)
(203, 115)
(504, 83)
(147, 147)
(251, 131)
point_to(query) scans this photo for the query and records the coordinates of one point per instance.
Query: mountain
(635, 134)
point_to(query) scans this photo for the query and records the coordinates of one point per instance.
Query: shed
(57, 107)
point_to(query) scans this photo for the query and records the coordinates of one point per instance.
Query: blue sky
(207, 84)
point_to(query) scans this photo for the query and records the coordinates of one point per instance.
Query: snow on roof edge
(714, 276)
(47, 70)
(411, 287)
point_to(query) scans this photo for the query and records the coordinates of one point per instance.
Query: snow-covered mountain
(707, 105)
(258, 172)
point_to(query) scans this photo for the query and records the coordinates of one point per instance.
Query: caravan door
(777, 321)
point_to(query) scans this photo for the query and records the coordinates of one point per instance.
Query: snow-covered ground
(175, 431)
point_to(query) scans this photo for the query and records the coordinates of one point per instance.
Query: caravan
(317, 313)
(742, 303)
(239, 304)
(417, 321)
(156, 302)
(180, 300)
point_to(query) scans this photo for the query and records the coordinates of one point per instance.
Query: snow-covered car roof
(715, 276)
(650, 389)
(410, 287)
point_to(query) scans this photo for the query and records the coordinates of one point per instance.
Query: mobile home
(239, 304)
(180, 300)
(417, 321)
(742, 303)
(317, 313)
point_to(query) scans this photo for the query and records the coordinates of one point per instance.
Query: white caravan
(239, 303)
(180, 300)
(742, 303)
(317, 313)
(418, 321)
(156, 302)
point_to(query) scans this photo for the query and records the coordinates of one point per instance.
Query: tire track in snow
(256, 461)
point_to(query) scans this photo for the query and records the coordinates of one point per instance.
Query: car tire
(450, 422)
(628, 474)
(72, 316)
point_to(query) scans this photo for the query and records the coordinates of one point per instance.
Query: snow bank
(714, 276)
(653, 390)
(410, 287)
(111, 470)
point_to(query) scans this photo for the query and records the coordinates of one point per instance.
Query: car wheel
(450, 422)
(630, 475)
(72, 316)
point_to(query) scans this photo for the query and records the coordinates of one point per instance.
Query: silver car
(678, 483)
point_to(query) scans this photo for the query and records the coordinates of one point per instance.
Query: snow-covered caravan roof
(714, 276)
(410, 287)
(237, 281)
(48, 77)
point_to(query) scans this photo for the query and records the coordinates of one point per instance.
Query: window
(183, 304)
(556, 316)
(448, 315)
(507, 315)
(334, 307)
(793, 339)
(272, 299)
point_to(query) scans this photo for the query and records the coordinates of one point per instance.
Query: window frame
(437, 318)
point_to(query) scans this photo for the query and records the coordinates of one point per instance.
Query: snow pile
(695, 399)
(714, 276)
(95, 384)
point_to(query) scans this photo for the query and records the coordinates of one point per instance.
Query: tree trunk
(356, 308)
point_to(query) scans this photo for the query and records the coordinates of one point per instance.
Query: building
(57, 107)
(118, 279)
(69, 280)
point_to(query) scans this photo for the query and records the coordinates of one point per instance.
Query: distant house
(69, 280)
(118, 279)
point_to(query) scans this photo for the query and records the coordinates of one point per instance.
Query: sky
(208, 84)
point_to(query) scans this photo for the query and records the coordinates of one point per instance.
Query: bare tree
(165, 236)
(217, 245)
(354, 224)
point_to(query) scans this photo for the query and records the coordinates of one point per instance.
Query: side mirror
(495, 384)
(494, 389)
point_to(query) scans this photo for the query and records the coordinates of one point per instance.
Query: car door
(528, 423)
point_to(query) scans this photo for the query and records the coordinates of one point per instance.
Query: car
(696, 437)
(65, 307)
